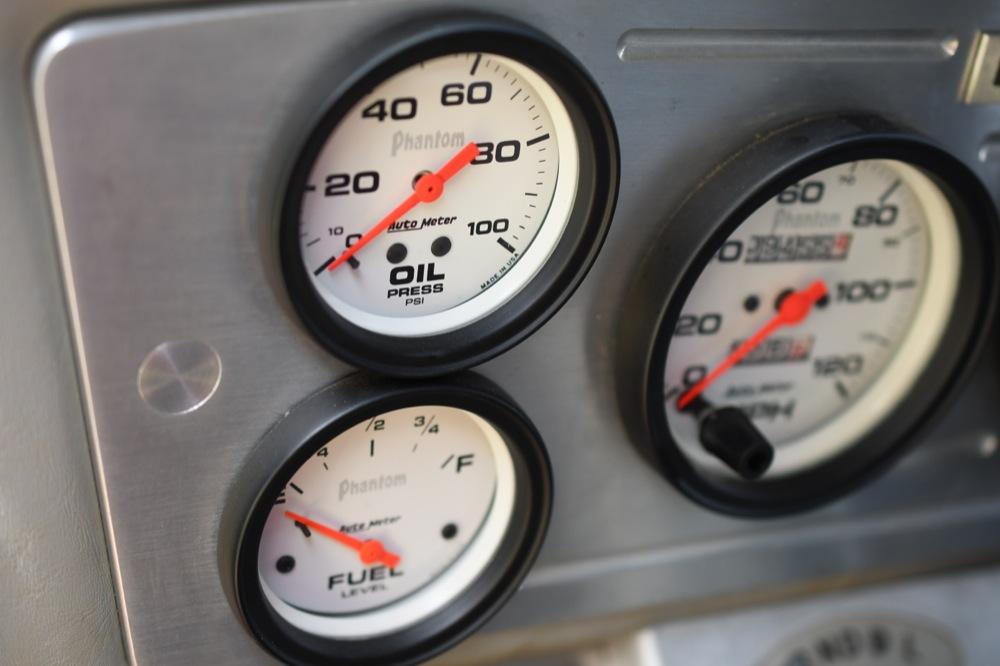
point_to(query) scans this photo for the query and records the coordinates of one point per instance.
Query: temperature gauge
(400, 524)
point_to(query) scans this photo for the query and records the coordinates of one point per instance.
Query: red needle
(794, 308)
(429, 187)
(370, 551)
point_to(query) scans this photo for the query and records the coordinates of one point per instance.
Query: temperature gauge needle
(429, 188)
(794, 308)
(370, 551)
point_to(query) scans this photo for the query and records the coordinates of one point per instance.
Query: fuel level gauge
(397, 525)
(383, 511)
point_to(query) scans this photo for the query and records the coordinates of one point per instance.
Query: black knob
(730, 435)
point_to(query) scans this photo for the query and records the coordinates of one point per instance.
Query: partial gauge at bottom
(396, 526)
(823, 317)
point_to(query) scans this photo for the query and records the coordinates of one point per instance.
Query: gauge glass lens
(387, 522)
(446, 262)
(882, 238)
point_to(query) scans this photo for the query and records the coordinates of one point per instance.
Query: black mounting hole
(396, 253)
(420, 174)
(781, 298)
(441, 246)
(751, 303)
(823, 301)
(285, 564)
(449, 531)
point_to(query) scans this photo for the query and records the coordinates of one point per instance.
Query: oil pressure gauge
(449, 200)
(823, 317)
(395, 526)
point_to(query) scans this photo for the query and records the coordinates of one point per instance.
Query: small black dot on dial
(285, 564)
(441, 246)
(823, 301)
(751, 303)
(396, 253)
(449, 531)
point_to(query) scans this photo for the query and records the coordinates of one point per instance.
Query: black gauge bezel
(327, 414)
(552, 285)
(708, 217)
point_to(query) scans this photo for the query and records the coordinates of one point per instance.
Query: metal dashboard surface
(166, 136)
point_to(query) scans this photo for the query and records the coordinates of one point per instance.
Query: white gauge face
(446, 262)
(883, 240)
(387, 523)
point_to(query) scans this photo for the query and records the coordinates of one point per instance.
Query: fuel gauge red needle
(369, 551)
(793, 310)
(428, 188)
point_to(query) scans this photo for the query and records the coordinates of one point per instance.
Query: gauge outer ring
(331, 411)
(542, 296)
(710, 214)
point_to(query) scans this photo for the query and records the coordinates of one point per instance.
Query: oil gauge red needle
(793, 310)
(428, 188)
(369, 551)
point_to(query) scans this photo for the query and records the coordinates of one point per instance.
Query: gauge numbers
(442, 261)
(386, 522)
(882, 240)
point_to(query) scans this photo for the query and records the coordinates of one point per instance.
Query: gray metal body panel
(167, 135)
